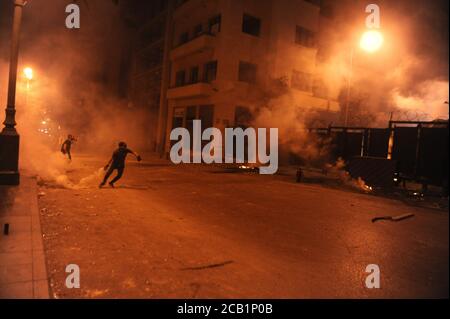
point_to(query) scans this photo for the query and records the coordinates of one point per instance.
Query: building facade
(227, 56)
(220, 60)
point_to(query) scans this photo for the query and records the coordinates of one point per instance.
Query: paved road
(195, 231)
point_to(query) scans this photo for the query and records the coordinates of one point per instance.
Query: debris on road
(392, 218)
(208, 266)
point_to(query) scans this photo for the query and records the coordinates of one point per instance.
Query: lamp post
(371, 41)
(9, 138)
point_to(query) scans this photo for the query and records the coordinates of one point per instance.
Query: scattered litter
(208, 266)
(392, 218)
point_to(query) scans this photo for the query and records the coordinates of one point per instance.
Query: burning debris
(338, 169)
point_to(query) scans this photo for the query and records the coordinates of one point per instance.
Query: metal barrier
(420, 149)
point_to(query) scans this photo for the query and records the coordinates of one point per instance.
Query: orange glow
(371, 41)
(28, 72)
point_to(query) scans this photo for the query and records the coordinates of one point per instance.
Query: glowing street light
(371, 41)
(28, 72)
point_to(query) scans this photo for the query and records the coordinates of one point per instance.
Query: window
(314, 2)
(184, 37)
(180, 78)
(247, 72)
(251, 25)
(305, 37)
(206, 114)
(193, 78)
(301, 81)
(198, 30)
(214, 24)
(210, 71)
(242, 117)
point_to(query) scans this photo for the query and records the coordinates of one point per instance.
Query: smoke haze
(408, 77)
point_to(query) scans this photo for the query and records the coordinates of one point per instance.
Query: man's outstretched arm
(109, 163)
(138, 157)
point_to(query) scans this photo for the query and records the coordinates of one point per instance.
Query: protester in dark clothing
(117, 162)
(67, 145)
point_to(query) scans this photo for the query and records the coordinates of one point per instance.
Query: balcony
(201, 43)
(200, 89)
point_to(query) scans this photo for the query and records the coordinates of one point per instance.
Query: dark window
(214, 24)
(247, 72)
(184, 37)
(301, 81)
(180, 78)
(314, 2)
(210, 71)
(251, 25)
(242, 117)
(198, 30)
(191, 115)
(206, 114)
(194, 75)
(305, 37)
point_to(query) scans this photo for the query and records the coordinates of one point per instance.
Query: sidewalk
(23, 271)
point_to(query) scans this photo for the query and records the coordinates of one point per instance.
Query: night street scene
(224, 149)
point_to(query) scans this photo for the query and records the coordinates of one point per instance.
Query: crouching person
(117, 162)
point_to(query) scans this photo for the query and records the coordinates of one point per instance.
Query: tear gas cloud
(408, 76)
(407, 79)
(67, 94)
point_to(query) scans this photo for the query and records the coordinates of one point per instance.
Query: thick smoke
(71, 91)
(408, 77)
(406, 80)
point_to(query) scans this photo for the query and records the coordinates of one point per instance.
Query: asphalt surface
(196, 231)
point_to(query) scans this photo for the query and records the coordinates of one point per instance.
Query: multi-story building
(226, 55)
(148, 19)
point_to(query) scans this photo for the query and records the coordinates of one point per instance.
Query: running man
(117, 162)
(67, 145)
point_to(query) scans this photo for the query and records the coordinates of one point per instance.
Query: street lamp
(28, 73)
(371, 41)
(9, 138)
